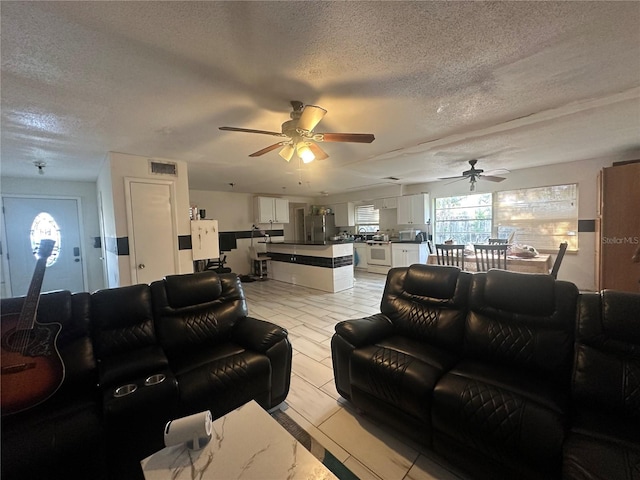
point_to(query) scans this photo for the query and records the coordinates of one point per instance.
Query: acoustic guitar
(32, 369)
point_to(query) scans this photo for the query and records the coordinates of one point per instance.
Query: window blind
(542, 217)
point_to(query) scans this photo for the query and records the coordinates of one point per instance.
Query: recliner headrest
(436, 281)
(192, 289)
(528, 293)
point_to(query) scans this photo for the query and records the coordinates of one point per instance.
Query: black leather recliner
(477, 366)
(604, 441)
(221, 357)
(388, 364)
(503, 409)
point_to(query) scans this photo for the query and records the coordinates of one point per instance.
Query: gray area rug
(311, 444)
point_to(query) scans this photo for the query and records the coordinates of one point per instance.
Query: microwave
(408, 235)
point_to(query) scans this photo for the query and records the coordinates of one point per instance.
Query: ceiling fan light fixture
(311, 116)
(305, 153)
(287, 152)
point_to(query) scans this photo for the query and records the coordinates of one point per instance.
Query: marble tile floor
(371, 450)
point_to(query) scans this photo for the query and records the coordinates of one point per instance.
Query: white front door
(152, 230)
(28, 218)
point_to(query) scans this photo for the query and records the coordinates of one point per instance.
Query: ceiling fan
(473, 174)
(300, 137)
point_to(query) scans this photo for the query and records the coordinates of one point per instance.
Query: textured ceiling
(515, 84)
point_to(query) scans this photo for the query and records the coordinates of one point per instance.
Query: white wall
(234, 212)
(89, 230)
(579, 268)
(107, 218)
(111, 189)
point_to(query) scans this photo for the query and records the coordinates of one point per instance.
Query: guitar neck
(30, 307)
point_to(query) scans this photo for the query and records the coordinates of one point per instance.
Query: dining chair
(449, 254)
(491, 256)
(558, 261)
(496, 241)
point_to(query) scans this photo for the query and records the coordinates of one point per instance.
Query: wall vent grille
(163, 168)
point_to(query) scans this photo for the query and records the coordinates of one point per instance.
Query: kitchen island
(326, 266)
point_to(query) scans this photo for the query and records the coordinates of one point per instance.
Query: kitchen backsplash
(388, 224)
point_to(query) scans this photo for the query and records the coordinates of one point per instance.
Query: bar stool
(259, 261)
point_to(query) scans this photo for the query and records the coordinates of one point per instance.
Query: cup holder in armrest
(125, 390)
(154, 379)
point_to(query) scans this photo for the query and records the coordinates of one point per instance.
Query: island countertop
(326, 265)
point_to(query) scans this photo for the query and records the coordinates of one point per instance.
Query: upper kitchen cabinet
(344, 214)
(271, 210)
(384, 203)
(413, 209)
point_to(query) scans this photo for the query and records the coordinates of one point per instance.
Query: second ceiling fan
(300, 137)
(473, 174)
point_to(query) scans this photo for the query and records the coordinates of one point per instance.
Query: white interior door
(57, 219)
(152, 230)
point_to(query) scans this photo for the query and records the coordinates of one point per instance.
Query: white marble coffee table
(246, 443)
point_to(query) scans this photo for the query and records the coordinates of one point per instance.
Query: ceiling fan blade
(311, 116)
(451, 178)
(268, 149)
(491, 178)
(287, 152)
(317, 151)
(498, 171)
(347, 137)
(250, 130)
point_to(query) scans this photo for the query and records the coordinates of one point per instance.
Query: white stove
(379, 253)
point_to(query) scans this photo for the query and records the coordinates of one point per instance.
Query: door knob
(141, 266)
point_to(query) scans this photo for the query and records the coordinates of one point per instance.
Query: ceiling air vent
(164, 168)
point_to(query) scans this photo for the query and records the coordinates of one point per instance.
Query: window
(45, 226)
(463, 219)
(542, 217)
(367, 219)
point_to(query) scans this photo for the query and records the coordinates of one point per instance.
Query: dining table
(541, 263)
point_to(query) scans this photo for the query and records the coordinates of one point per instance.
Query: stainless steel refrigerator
(318, 228)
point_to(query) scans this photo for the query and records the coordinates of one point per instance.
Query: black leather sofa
(604, 439)
(486, 369)
(193, 331)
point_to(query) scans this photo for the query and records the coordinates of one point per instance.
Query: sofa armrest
(257, 335)
(365, 331)
(270, 340)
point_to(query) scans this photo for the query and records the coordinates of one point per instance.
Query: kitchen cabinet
(344, 214)
(384, 203)
(405, 254)
(271, 210)
(361, 250)
(413, 209)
